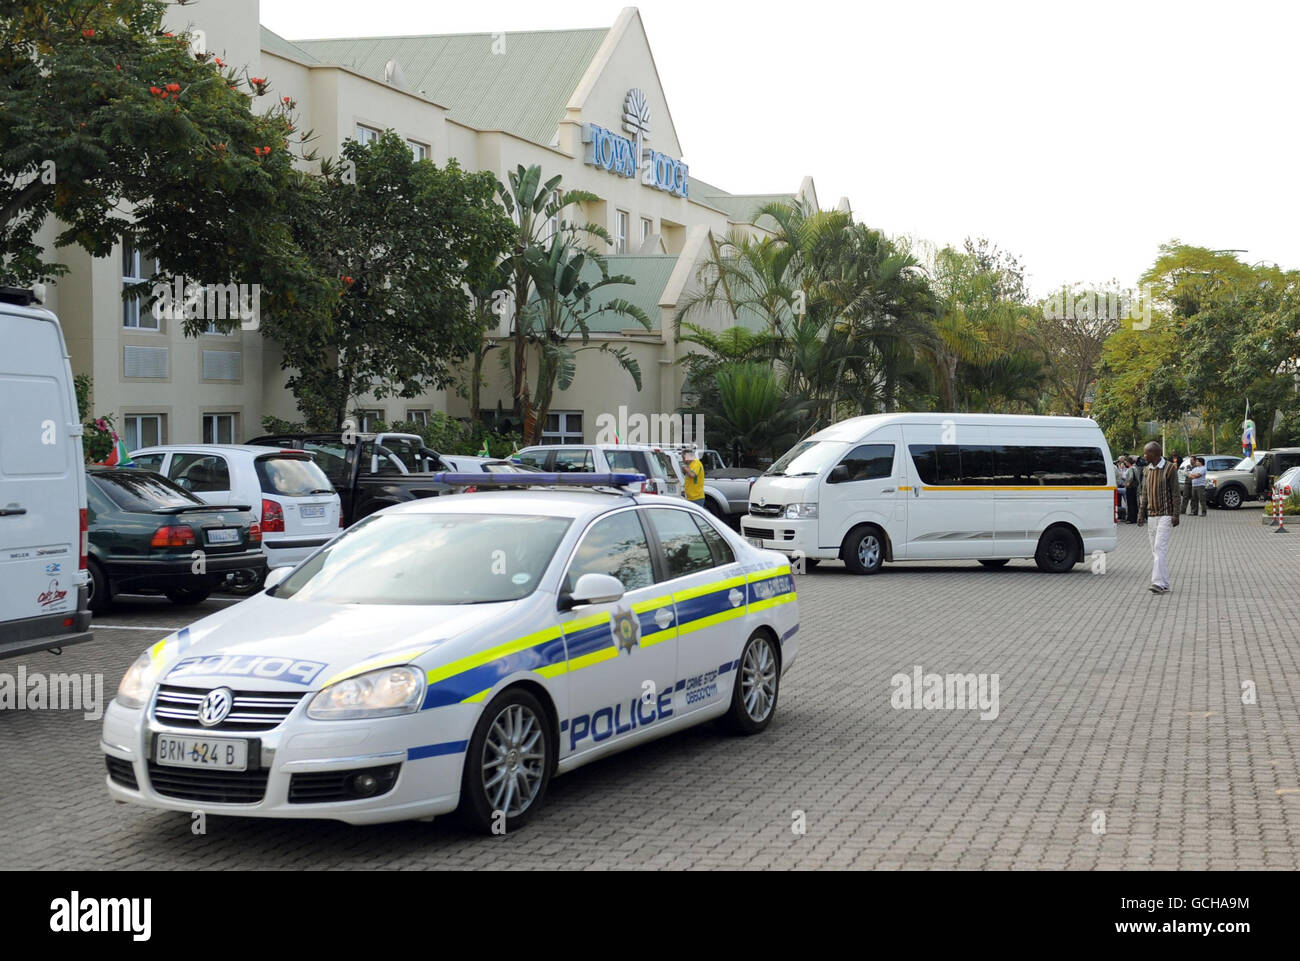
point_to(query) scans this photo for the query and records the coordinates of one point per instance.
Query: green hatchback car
(149, 536)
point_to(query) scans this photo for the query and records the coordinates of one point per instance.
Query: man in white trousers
(1158, 501)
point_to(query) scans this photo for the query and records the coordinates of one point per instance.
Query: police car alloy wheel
(509, 763)
(864, 551)
(753, 699)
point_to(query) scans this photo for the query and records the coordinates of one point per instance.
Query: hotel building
(577, 102)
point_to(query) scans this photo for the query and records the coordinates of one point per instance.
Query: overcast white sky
(1078, 136)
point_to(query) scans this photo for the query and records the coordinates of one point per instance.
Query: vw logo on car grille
(214, 708)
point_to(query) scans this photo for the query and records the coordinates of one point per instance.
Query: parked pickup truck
(373, 472)
(1246, 482)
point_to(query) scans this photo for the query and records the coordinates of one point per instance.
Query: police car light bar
(531, 479)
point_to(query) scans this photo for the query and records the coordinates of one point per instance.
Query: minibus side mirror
(839, 474)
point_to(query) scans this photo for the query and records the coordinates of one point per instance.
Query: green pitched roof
(651, 273)
(740, 208)
(522, 90)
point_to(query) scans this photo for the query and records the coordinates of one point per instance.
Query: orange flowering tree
(114, 126)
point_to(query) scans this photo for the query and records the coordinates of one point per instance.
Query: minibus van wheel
(1057, 551)
(864, 550)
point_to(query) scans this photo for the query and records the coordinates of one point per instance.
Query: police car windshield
(430, 559)
(809, 458)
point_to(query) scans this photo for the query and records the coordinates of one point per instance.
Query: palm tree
(535, 207)
(752, 411)
(561, 311)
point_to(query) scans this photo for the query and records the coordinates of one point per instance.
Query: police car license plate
(309, 511)
(201, 752)
(224, 535)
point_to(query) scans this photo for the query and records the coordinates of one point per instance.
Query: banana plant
(537, 208)
(566, 277)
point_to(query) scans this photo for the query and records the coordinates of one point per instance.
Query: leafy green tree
(752, 412)
(116, 128)
(404, 241)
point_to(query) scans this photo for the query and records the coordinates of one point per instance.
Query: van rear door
(42, 487)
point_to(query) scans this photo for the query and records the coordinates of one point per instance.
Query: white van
(903, 487)
(42, 485)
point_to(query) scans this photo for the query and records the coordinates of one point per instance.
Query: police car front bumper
(292, 767)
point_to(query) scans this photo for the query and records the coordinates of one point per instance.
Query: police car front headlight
(798, 511)
(387, 692)
(136, 684)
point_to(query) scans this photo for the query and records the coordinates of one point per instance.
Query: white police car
(456, 652)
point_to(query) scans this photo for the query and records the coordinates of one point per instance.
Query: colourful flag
(118, 457)
(484, 452)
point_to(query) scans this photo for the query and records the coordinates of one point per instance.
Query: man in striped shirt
(1158, 500)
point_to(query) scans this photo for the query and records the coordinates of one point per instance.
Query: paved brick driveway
(1112, 700)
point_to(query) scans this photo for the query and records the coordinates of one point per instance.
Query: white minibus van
(904, 487)
(42, 484)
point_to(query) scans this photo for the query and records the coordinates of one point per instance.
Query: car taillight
(85, 539)
(174, 535)
(1116, 505)
(255, 533)
(647, 487)
(272, 517)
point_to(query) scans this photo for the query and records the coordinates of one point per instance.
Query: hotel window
(620, 238)
(563, 427)
(142, 430)
(647, 228)
(218, 428)
(420, 417)
(136, 268)
(420, 151)
(366, 135)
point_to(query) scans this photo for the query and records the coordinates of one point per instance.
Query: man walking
(1158, 502)
(1197, 475)
(1186, 478)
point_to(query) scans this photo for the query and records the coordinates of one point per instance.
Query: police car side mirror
(593, 589)
(275, 577)
(839, 475)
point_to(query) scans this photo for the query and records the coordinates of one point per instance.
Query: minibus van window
(937, 464)
(1009, 465)
(869, 462)
(808, 458)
